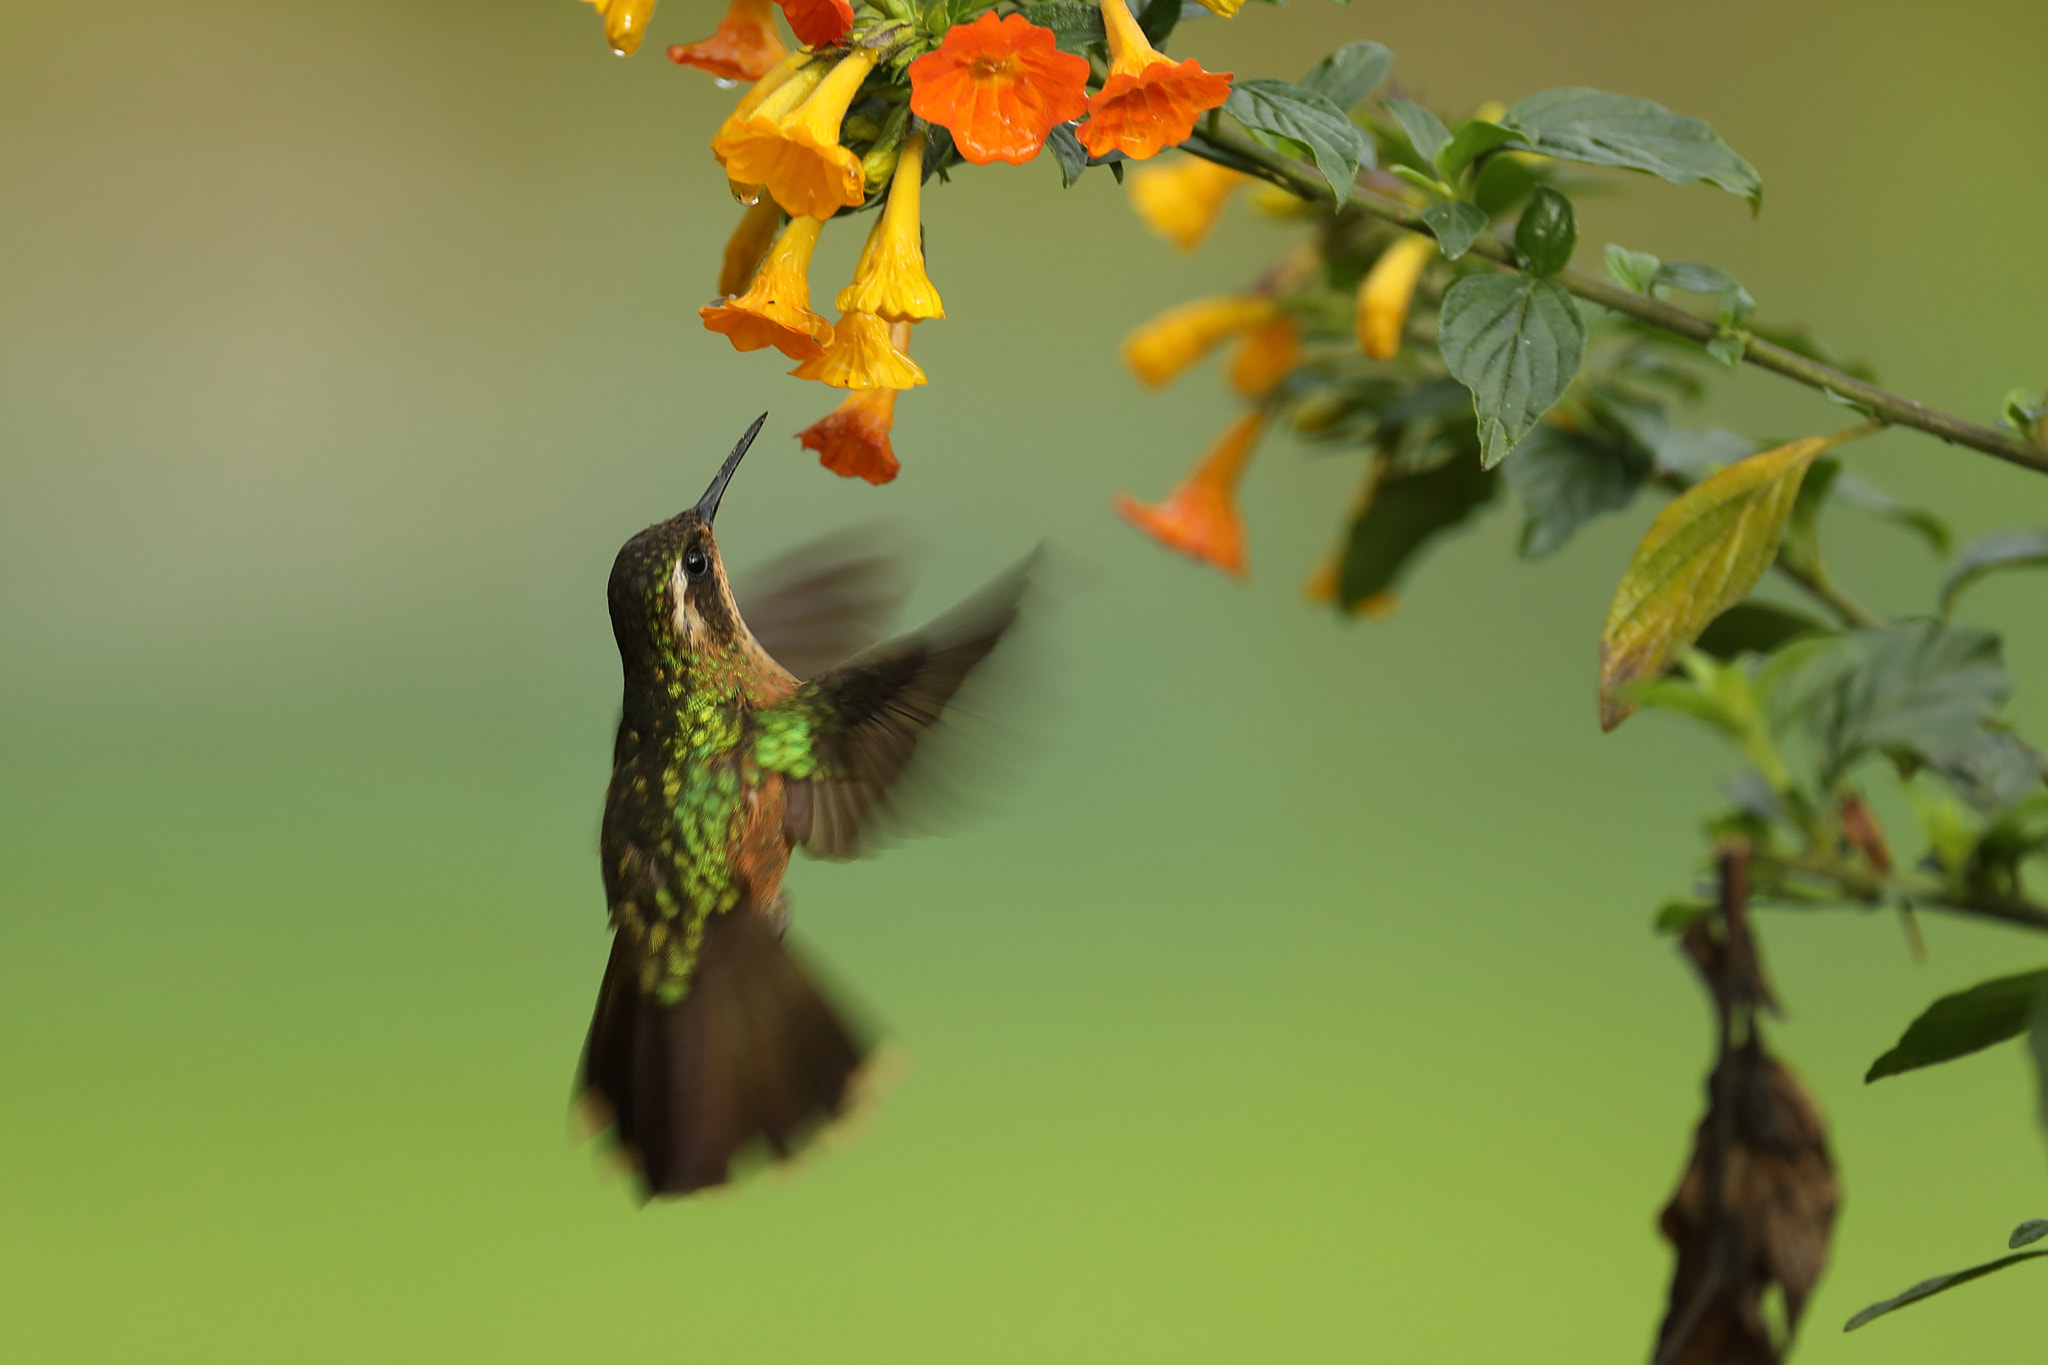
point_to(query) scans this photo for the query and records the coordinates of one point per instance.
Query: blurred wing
(824, 602)
(847, 736)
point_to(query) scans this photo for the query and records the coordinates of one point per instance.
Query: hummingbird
(710, 1040)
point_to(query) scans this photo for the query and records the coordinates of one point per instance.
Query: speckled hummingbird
(709, 1039)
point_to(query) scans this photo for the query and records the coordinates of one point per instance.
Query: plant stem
(1822, 589)
(1883, 404)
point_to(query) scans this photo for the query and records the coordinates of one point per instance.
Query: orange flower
(818, 22)
(776, 309)
(1227, 8)
(1266, 357)
(745, 47)
(794, 77)
(789, 144)
(861, 355)
(748, 246)
(889, 280)
(625, 23)
(1177, 338)
(1200, 517)
(1385, 292)
(1148, 103)
(852, 440)
(1182, 202)
(999, 86)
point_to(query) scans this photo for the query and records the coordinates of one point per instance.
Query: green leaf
(1424, 129)
(1349, 74)
(2023, 410)
(1474, 139)
(1871, 500)
(1406, 512)
(2027, 1233)
(1701, 556)
(1993, 770)
(1503, 183)
(1620, 130)
(1728, 347)
(1922, 689)
(1456, 224)
(1754, 627)
(1517, 343)
(1158, 18)
(1074, 24)
(1799, 546)
(1068, 151)
(1288, 110)
(1548, 232)
(1999, 550)
(1968, 1021)
(1929, 1288)
(1676, 915)
(1695, 278)
(1566, 479)
(1631, 269)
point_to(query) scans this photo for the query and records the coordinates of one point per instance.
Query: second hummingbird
(709, 1038)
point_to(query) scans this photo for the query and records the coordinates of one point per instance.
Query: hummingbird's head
(668, 590)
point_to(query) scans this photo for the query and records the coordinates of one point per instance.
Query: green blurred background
(1297, 1002)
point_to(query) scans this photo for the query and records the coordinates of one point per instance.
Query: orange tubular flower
(861, 356)
(1268, 355)
(625, 23)
(1177, 338)
(1148, 103)
(789, 144)
(818, 22)
(794, 77)
(853, 439)
(1182, 202)
(1384, 294)
(1200, 517)
(890, 281)
(999, 86)
(745, 47)
(748, 246)
(776, 309)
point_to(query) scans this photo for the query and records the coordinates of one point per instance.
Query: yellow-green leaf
(1702, 555)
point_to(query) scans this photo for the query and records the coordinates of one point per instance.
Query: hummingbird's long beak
(707, 506)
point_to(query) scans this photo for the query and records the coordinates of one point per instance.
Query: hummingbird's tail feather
(752, 1058)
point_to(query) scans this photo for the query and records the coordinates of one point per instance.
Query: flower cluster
(866, 103)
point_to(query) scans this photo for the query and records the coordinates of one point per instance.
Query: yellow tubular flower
(1266, 357)
(748, 246)
(776, 309)
(1384, 294)
(1177, 338)
(793, 78)
(1182, 201)
(890, 281)
(861, 356)
(793, 148)
(625, 23)
(1227, 8)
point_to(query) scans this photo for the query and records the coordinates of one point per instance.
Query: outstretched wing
(826, 601)
(845, 739)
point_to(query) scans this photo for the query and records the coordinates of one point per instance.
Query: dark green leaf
(1620, 130)
(1503, 183)
(1424, 129)
(1288, 110)
(1968, 1021)
(1999, 550)
(1929, 1288)
(1456, 224)
(1350, 73)
(2027, 1233)
(1755, 627)
(1474, 139)
(1517, 343)
(1631, 269)
(1874, 501)
(1566, 479)
(1068, 151)
(1407, 511)
(1919, 688)
(1158, 18)
(1548, 232)
(1074, 24)
(1992, 770)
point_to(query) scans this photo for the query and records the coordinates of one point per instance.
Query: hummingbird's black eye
(695, 561)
